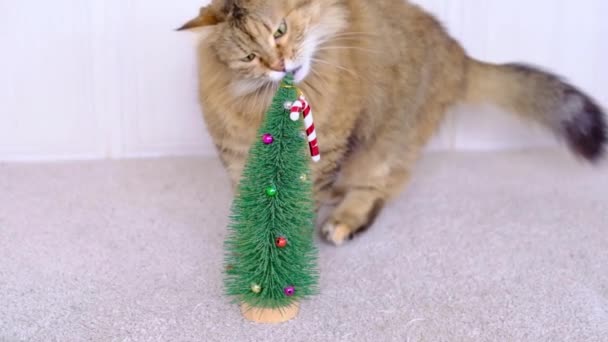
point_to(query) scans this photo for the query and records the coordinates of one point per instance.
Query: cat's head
(261, 40)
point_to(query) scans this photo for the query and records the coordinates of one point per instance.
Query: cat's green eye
(249, 57)
(281, 31)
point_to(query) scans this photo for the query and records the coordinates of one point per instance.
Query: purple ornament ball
(267, 138)
(290, 291)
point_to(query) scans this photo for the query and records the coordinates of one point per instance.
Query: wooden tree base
(270, 316)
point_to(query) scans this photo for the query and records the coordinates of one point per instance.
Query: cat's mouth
(299, 73)
(299, 68)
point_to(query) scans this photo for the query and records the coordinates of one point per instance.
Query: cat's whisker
(318, 78)
(259, 94)
(346, 36)
(353, 33)
(321, 77)
(323, 48)
(309, 85)
(340, 39)
(334, 65)
(266, 94)
(347, 39)
(256, 101)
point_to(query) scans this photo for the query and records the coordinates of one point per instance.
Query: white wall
(111, 79)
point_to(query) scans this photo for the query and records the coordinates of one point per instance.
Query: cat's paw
(337, 233)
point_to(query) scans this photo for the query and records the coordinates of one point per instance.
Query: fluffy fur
(380, 75)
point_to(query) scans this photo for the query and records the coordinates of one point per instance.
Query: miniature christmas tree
(271, 257)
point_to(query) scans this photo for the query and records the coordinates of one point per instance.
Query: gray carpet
(482, 247)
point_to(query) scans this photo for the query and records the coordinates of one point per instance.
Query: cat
(380, 76)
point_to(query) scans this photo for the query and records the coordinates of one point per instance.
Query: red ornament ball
(281, 242)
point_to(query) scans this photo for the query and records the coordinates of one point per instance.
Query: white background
(111, 79)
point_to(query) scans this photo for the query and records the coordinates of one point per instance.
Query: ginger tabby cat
(380, 76)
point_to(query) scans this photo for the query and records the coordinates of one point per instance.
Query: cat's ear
(207, 16)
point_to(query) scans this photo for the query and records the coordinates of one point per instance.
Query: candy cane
(302, 106)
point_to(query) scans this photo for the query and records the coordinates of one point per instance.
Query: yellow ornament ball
(255, 288)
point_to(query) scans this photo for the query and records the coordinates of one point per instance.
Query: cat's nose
(278, 65)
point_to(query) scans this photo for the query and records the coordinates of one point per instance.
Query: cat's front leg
(325, 174)
(369, 178)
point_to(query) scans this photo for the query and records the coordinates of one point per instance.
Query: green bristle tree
(271, 257)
